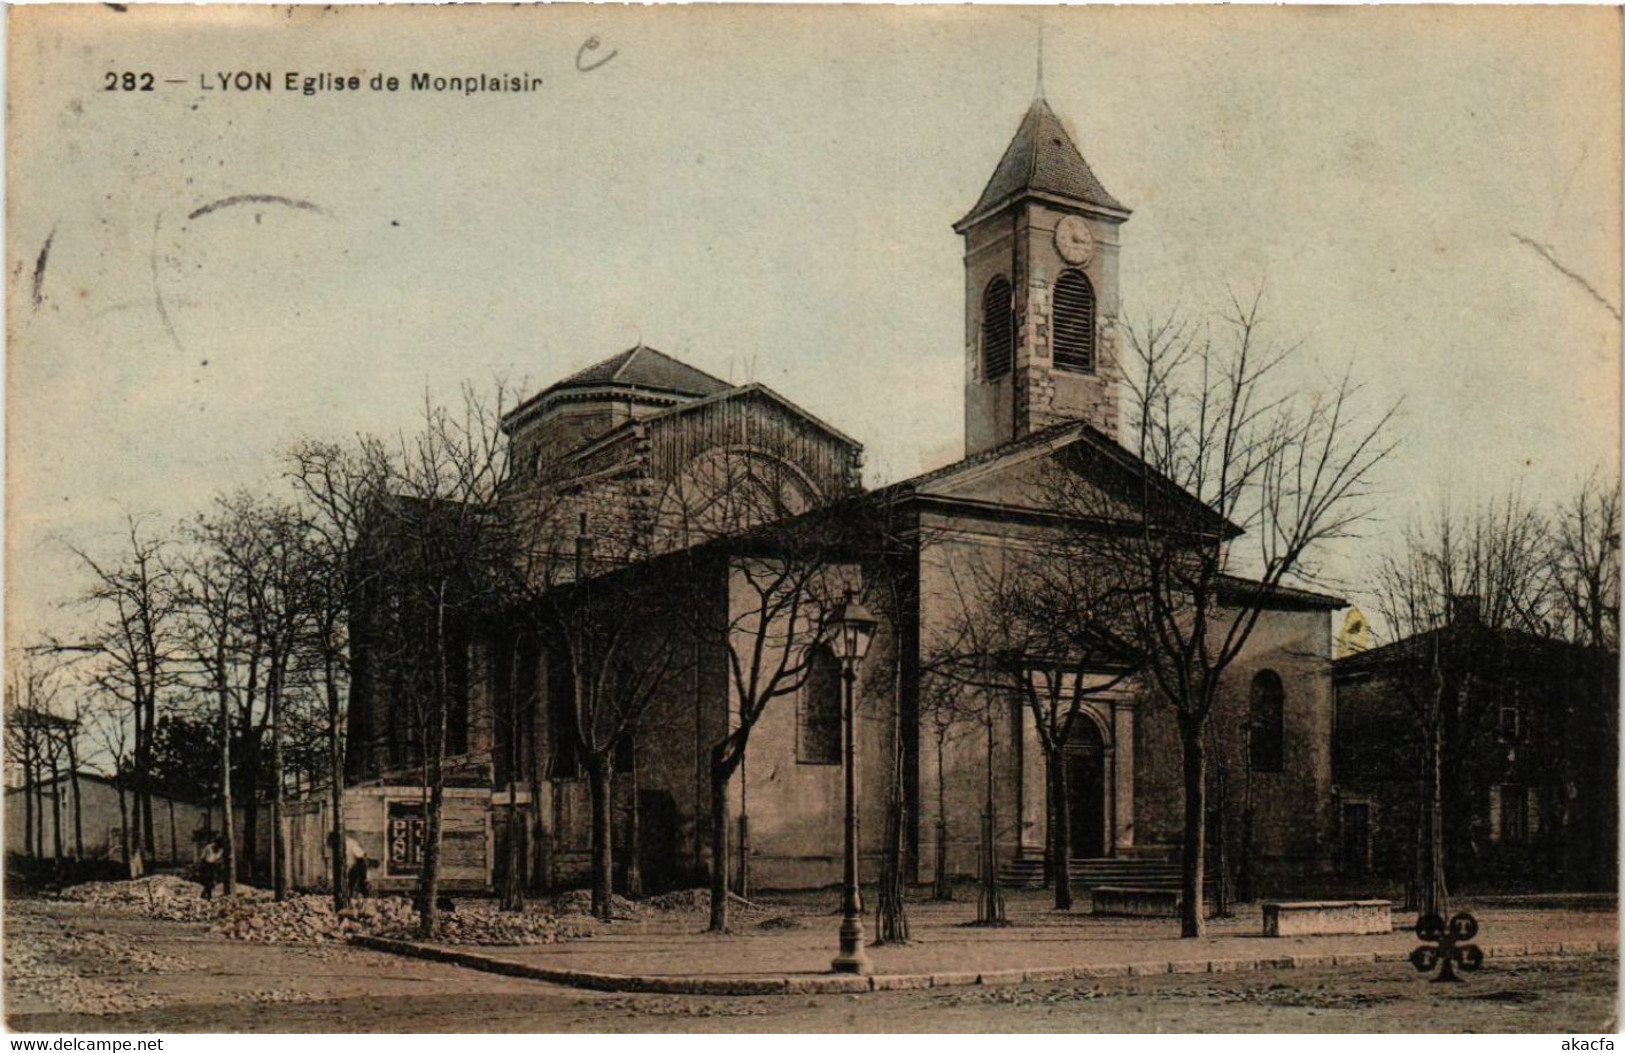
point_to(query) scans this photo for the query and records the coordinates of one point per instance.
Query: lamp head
(851, 627)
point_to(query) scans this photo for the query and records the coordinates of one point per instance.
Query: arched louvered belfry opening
(998, 329)
(1074, 323)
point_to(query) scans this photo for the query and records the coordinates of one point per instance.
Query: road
(71, 969)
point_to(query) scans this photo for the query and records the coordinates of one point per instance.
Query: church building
(653, 460)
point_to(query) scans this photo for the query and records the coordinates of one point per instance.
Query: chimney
(1465, 610)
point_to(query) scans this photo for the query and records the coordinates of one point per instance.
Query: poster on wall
(406, 836)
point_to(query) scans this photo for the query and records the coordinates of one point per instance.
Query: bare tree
(133, 649)
(756, 565)
(337, 484)
(36, 740)
(447, 553)
(1455, 584)
(1584, 570)
(1221, 454)
(615, 627)
(1040, 628)
(1583, 563)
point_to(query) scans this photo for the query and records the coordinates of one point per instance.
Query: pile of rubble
(253, 914)
(579, 901)
(162, 897)
(699, 899)
(311, 919)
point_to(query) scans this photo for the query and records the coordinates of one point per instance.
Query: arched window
(998, 329)
(818, 731)
(1074, 323)
(1268, 722)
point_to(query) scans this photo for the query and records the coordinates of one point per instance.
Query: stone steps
(1126, 871)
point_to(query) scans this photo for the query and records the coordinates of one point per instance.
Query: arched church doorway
(1086, 789)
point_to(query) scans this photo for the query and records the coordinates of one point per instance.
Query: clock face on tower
(1073, 240)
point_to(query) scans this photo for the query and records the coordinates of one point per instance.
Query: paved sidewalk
(672, 954)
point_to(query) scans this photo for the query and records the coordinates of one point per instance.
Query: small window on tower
(1074, 323)
(998, 329)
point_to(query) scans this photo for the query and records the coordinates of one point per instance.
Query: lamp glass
(853, 627)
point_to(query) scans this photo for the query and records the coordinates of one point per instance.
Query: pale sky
(1431, 194)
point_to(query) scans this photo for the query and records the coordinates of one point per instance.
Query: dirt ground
(72, 969)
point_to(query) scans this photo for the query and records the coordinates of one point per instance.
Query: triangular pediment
(1059, 471)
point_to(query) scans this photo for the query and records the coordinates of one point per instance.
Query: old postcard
(663, 519)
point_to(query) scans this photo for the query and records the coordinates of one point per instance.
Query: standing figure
(355, 868)
(211, 865)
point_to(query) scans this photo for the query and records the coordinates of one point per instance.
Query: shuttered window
(998, 329)
(1074, 322)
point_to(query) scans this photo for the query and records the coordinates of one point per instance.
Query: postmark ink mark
(38, 296)
(256, 199)
(1545, 253)
(591, 44)
(158, 289)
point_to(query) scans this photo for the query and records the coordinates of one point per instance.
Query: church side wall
(1293, 826)
(796, 809)
(953, 738)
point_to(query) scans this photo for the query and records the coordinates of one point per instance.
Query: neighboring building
(176, 824)
(1529, 758)
(647, 456)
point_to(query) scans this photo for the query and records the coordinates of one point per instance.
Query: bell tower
(1041, 244)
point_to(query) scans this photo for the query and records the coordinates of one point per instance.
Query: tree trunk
(538, 828)
(942, 888)
(634, 832)
(435, 778)
(30, 781)
(149, 840)
(78, 810)
(124, 829)
(56, 808)
(891, 915)
(601, 782)
(279, 858)
(513, 856)
(1244, 865)
(1061, 835)
(741, 885)
(227, 833)
(1193, 843)
(720, 772)
(990, 903)
(1435, 895)
(335, 768)
(1221, 845)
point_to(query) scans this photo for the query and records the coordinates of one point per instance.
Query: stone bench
(1359, 917)
(1134, 902)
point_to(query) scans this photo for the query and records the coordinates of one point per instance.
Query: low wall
(1357, 917)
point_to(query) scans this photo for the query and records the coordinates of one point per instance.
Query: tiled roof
(644, 367)
(1042, 158)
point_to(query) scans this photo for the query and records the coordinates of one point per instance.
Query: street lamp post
(851, 628)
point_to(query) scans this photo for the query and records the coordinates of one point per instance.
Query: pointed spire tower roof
(1042, 161)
